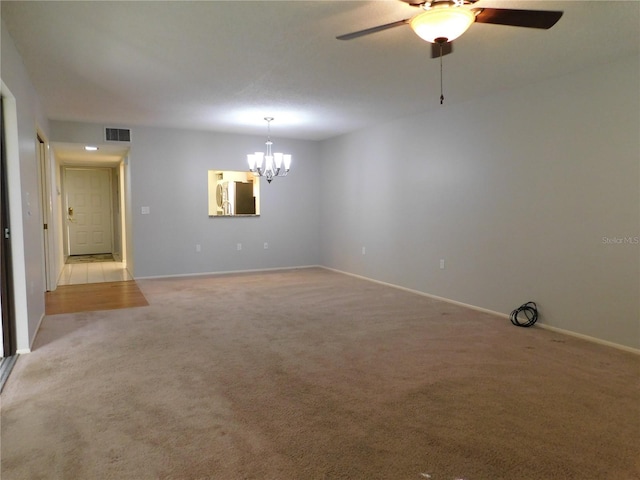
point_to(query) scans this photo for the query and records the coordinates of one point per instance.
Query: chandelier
(269, 164)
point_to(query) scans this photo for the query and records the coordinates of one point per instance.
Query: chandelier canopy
(267, 164)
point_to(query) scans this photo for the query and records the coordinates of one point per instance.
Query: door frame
(46, 202)
(18, 263)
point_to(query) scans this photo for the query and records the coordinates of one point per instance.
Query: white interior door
(88, 195)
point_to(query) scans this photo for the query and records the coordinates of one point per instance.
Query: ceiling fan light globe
(442, 23)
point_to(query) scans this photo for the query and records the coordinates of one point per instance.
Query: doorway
(9, 343)
(95, 233)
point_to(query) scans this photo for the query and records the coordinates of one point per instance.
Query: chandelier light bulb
(278, 159)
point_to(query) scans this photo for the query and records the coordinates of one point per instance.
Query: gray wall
(518, 192)
(26, 216)
(168, 170)
(169, 175)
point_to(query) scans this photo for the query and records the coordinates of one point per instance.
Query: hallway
(95, 272)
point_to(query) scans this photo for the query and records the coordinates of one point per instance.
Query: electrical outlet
(364, 250)
(266, 245)
(239, 246)
(198, 248)
(442, 263)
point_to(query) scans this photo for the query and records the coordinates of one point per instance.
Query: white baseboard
(227, 272)
(424, 294)
(589, 338)
(499, 314)
(31, 340)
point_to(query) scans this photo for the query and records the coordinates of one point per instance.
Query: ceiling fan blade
(368, 31)
(518, 18)
(447, 48)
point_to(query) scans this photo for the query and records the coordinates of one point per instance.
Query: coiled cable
(529, 310)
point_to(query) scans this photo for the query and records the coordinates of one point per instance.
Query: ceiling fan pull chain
(441, 89)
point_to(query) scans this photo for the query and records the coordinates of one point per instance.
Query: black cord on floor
(529, 310)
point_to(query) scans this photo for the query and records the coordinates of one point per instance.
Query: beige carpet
(309, 374)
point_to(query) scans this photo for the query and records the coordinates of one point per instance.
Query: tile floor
(80, 273)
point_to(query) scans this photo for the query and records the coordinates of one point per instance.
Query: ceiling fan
(445, 20)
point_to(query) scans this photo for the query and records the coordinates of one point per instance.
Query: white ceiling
(225, 65)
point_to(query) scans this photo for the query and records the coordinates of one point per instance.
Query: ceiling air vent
(117, 134)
